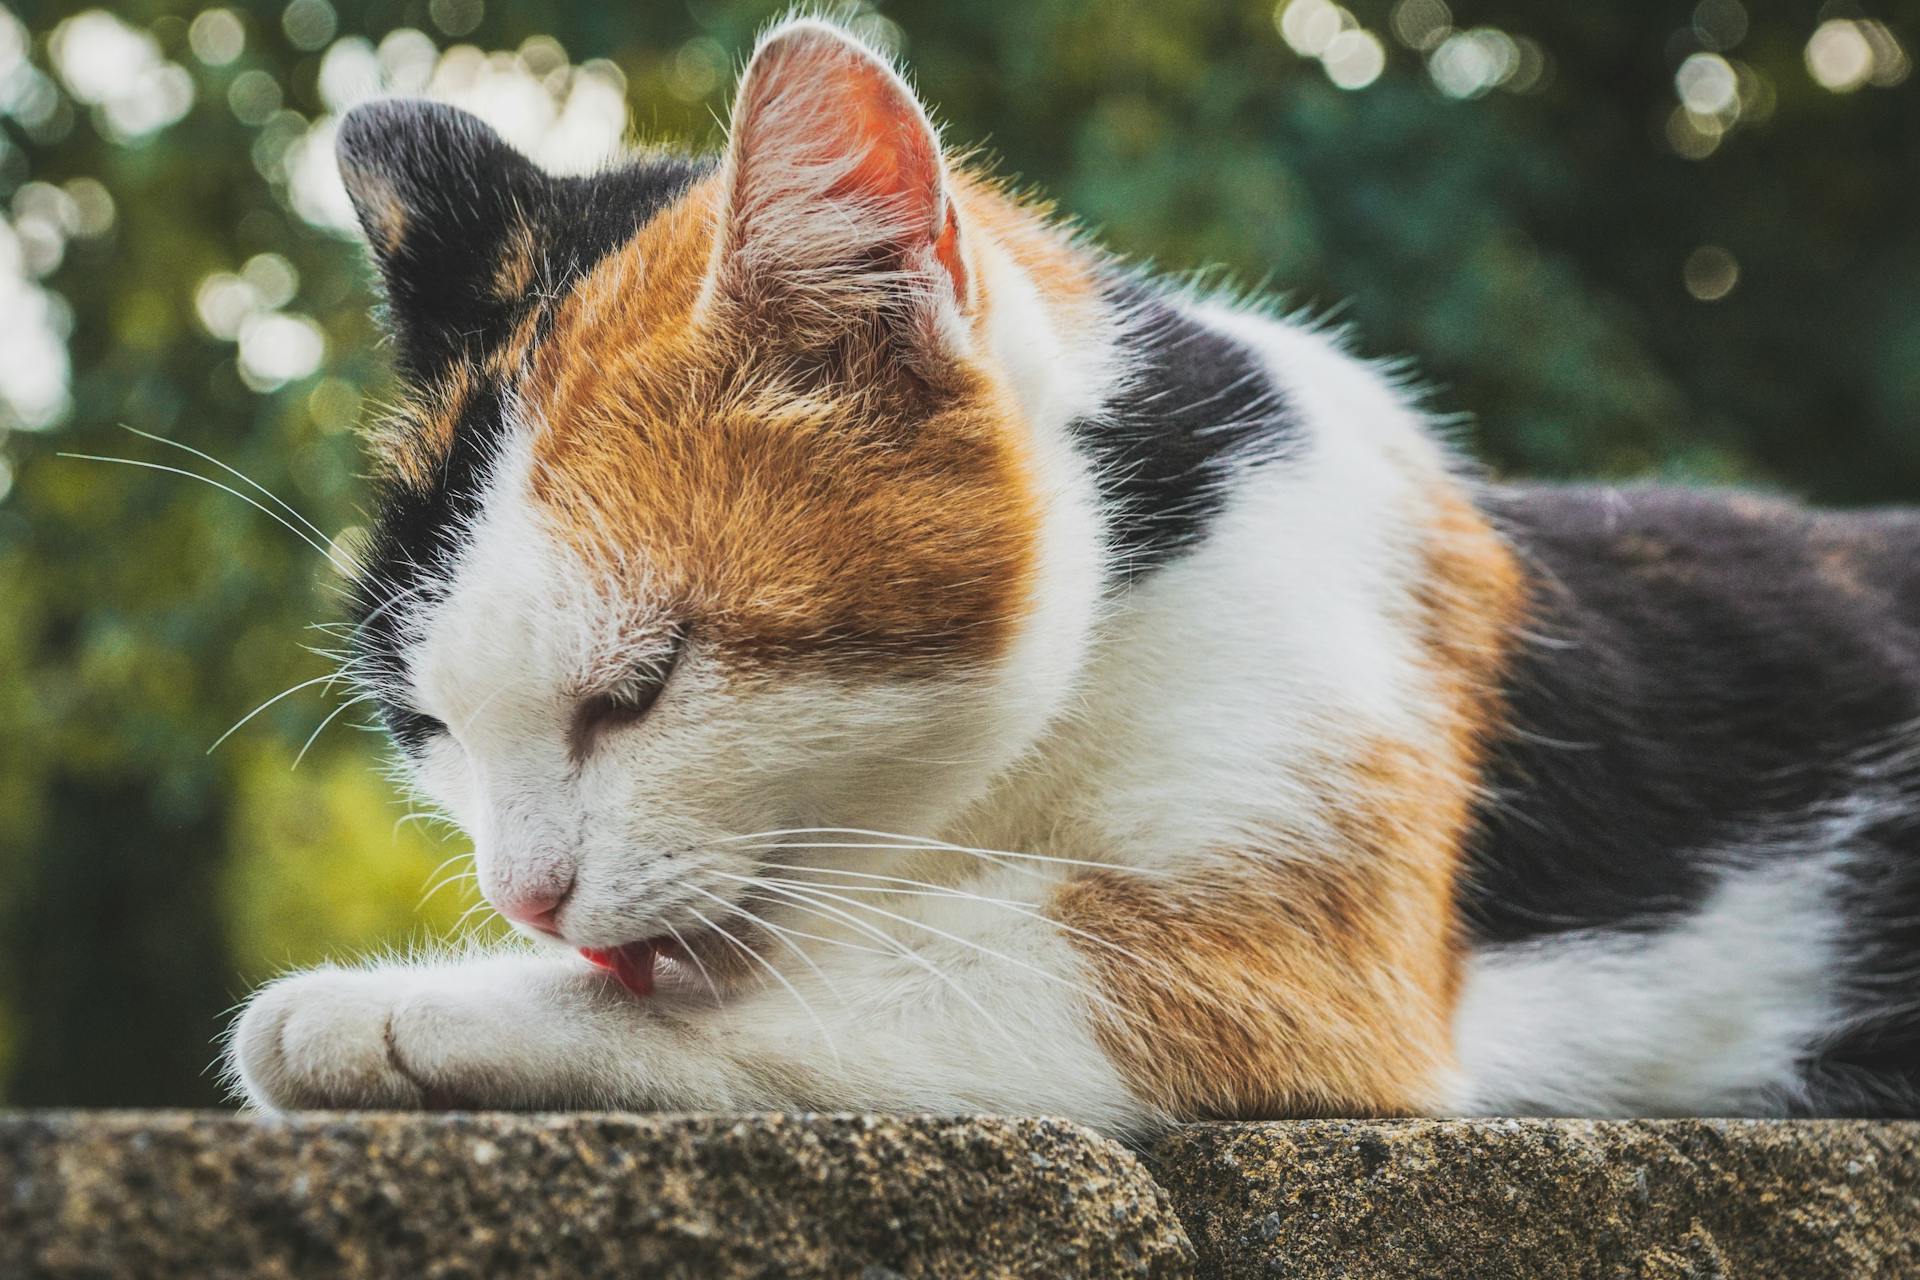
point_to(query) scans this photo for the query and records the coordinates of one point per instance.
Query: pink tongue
(632, 964)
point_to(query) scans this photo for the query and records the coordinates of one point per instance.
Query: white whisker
(774, 973)
(238, 474)
(698, 964)
(779, 933)
(957, 940)
(425, 816)
(886, 840)
(455, 878)
(952, 890)
(894, 946)
(928, 889)
(325, 551)
(304, 684)
(481, 906)
(321, 727)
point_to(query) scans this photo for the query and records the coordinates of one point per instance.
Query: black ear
(449, 210)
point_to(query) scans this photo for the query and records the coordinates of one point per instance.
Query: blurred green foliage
(1612, 286)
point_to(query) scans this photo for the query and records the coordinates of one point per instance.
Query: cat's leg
(1112, 998)
(508, 1029)
(998, 1021)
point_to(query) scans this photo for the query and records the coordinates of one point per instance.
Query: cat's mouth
(635, 965)
(631, 963)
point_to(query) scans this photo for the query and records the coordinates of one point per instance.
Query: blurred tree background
(1674, 238)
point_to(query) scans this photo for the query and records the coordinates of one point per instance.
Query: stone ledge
(210, 1195)
(877, 1198)
(1655, 1199)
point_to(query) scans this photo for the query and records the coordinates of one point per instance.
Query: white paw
(374, 1039)
(509, 1033)
(324, 1039)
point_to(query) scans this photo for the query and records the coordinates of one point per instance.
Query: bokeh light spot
(407, 58)
(1890, 62)
(1710, 273)
(349, 73)
(456, 17)
(334, 404)
(93, 209)
(1720, 24)
(1309, 26)
(35, 372)
(253, 97)
(1354, 59)
(1693, 136)
(118, 71)
(13, 46)
(309, 24)
(1471, 64)
(272, 279)
(222, 302)
(1839, 56)
(217, 37)
(97, 55)
(277, 348)
(1422, 24)
(696, 69)
(543, 55)
(1707, 85)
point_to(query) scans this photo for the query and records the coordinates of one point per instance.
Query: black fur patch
(455, 215)
(1196, 403)
(414, 541)
(446, 204)
(1873, 1067)
(1708, 674)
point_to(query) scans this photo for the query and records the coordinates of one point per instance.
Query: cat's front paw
(380, 1039)
(325, 1039)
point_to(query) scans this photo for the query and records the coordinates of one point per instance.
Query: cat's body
(1250, 760)
(1697, 886)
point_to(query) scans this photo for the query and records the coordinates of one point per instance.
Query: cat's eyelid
(637, 687)
(414, 728)
(626, 701)
(655, 672)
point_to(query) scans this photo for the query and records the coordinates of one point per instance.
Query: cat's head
(717, 506)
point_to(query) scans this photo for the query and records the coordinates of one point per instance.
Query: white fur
(1715, 1012)
(1174, 751)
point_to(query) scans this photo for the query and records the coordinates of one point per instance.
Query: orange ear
(834, 167)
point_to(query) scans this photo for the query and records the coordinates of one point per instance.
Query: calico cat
(889, 655)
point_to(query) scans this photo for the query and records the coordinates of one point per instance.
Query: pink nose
(538, 909)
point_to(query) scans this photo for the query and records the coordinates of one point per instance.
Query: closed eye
(412, 729)
(626, 704)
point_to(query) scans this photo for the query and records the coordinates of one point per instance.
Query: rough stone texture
(881, 1198)
(872, 1198)
(1657, 1199)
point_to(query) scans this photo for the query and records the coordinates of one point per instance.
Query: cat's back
(1754, 647)
(1680, 559)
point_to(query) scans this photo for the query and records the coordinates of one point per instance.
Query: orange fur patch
(1318, 975)
(512, 359)
(782, 501)
(1470, 599)
(383, 213)
(410, 444)
(514, 271)
(1278, 988)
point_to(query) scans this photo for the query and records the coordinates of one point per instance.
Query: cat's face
(712, 514)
